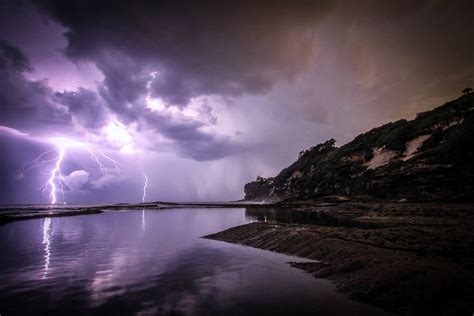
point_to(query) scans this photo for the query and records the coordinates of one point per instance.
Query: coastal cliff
(428, 158)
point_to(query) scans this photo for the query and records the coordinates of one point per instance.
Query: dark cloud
(86, 106)
(26, 104)
(124, 90)
(124, 85)
(189, 140)
(176, 51)
(12, 57)
(198, 48)
(33, 106)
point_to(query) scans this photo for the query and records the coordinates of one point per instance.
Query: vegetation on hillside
(442, 166)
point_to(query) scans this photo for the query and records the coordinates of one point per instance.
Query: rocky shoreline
(407, 258)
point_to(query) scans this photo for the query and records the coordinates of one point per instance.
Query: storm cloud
(25, 104)
(197, 48)
(208, 94)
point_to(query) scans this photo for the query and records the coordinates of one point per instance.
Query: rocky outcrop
(428, 158)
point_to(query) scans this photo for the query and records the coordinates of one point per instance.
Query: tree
(467, 91)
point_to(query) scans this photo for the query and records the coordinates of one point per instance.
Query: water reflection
(105, 265)
(298, 216)
(47, 245)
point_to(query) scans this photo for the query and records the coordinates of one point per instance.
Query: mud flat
(407, 258)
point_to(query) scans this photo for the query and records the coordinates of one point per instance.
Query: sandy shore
(404, 258)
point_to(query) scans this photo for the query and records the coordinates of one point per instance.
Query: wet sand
(407, 258)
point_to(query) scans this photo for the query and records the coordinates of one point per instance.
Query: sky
(130, 101)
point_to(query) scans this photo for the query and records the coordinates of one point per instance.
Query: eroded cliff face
(428, 158)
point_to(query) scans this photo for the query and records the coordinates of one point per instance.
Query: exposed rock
(381, 157)
(413, 146)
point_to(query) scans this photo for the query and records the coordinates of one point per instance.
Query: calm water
(153, 262)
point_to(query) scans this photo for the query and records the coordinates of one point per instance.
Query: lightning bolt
(119, 172)
(145, 184)
(99, 163)
(55, 180)
(38, 162)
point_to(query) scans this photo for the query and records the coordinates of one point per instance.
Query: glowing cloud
(118, 135)
(64, 142)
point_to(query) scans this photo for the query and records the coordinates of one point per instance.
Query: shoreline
(11, 213)
(415, 259)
